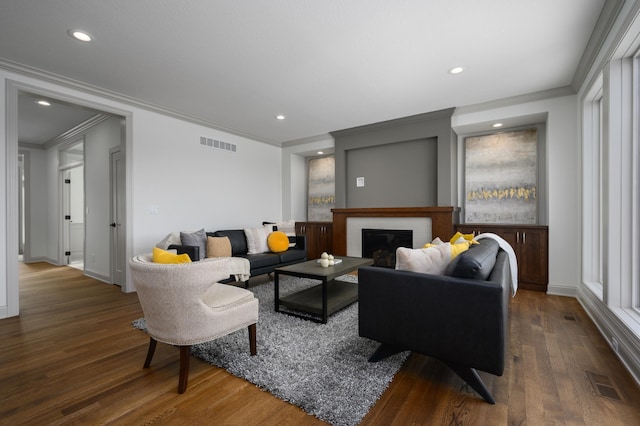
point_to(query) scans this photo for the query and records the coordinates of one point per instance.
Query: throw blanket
(512, 258)
(238, 267)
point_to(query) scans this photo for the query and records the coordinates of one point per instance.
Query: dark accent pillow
(475, 263)
(198, 238)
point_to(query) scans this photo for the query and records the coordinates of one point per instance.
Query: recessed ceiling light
(280, 117)
(43, 102)
(80, 35)
(320, 152)
(497, 125)
(456, 70)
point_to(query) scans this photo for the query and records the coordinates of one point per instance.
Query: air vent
(214, 143)
(603, 386)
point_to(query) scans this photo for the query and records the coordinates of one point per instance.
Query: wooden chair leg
(184, 368)
(150, 352)
(252, 339)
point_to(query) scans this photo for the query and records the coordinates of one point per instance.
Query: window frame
(592, 199)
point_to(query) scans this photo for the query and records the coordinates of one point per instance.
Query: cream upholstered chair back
(184, 304)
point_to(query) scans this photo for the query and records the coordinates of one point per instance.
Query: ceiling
(325, 65)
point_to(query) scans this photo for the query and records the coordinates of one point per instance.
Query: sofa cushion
(261, 260)
(218, 247)
(475, 263)
(236, 238)
(292, 255)
(197, 238)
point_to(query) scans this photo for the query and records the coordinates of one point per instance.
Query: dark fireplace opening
(381, 244)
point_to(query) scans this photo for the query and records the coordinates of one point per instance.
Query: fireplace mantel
(442, 221)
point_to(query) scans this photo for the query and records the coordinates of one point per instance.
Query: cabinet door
(319, 237)
(325, 238)
(533, 269)
(530, 245)
(308, 230)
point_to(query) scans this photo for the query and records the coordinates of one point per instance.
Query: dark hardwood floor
(72, 357)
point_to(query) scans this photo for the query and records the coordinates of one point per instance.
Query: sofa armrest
(301, 242)
(192, 251)
(453, 319)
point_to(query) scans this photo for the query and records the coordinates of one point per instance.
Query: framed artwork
(322, 189)
(501, 178)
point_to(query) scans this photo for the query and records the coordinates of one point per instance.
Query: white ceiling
(325, 64)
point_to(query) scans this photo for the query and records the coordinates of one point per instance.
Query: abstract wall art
(501, 182)
(322, 189)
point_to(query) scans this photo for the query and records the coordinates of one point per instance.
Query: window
(635, 296)
(593, 195)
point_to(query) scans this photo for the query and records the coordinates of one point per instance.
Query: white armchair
(184, 305)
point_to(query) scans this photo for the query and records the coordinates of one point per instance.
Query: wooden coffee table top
(312, 269)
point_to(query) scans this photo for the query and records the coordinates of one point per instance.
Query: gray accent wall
(408, 162)
(402, 174)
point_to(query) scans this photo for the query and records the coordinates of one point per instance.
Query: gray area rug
(321, 368)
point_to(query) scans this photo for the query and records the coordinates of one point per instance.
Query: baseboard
(621, 339)
(38, 259)
(562, 290)
(97, 276)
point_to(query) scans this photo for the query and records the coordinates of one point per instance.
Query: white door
(73, 216)
(118, 240)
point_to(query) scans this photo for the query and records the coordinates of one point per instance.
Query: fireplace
(381, 244)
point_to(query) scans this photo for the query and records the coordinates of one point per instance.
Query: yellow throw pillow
(278, 242)
(456, 249)
(163, 256)
(459, 235)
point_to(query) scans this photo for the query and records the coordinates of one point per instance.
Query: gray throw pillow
(198, 238)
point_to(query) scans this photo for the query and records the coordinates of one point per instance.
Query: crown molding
(49, 77)
(404, 121)
(604, 25)
(78, 130)
(517, 100)
(310, 139)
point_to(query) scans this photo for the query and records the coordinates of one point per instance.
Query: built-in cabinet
(319, 237)
(531, 246)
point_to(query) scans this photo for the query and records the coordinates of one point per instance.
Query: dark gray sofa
(460, 318)
(261, 263)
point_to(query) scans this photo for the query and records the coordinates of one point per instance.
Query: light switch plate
(360, 182)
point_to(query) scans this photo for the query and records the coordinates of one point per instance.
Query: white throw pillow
(289, 228)
(257, 239)
(173, 238)
(432, 260)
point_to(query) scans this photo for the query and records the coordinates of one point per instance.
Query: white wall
(36, 243)
(563, 177)
(193, 186)
(98, 141)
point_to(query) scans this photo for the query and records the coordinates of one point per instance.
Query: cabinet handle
(517, 237)
(524, 238)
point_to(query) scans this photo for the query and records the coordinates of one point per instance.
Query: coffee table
(321, 300)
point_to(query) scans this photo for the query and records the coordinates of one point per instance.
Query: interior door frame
(65, 227)
(68, 93)
(117, 217)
